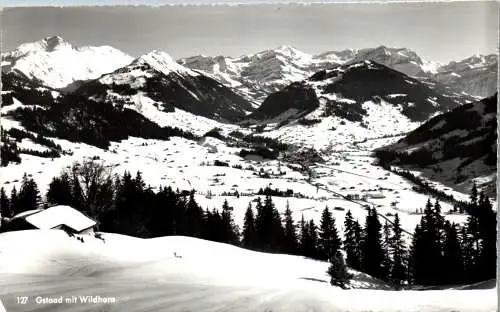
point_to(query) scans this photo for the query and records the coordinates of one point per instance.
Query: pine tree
(214, 229)
(194, 214)
(4, 204)
(473, 198)
(338, 271)
(399, 270)
(452, 256)
(488, 236)
(418, 266)
(59, 192)
(180, 222)
(258, 206)
(139, 182)
(148, 199)
(290, 239)
(312, 244)
(372, 252)
(269, 227)
(427, 261)
(470, 255)
(351, 243)
(29, 196)
(439, 221)
(259, 225)
(329, 242)
(304, 237)
(159, 221)
(432, 228)
(358, 238)
(128, 203)
(278, 229)
(249, 239)
(387, 244)
(230, 231)
(13, 202)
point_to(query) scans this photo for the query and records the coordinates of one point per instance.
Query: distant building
(59, 217)
(376, 195)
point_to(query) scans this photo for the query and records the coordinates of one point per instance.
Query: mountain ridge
(259, 74)
(156, 79)
(344, 89)
(454, 147)
(46, 61)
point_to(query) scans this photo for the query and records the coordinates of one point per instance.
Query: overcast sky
(436, 31)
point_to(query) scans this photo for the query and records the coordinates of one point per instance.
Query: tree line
(440, 253)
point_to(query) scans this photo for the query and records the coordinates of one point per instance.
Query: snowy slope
(156, 78)
(46, 61)
(354, 93)
(29, 92)
(186, 165)
(457, 147)
(166, 274)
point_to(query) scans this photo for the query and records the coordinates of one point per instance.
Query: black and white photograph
(327, 157)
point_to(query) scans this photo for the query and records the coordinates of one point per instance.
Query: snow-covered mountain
(155, 83)
(476, 75)
(257, 75)
(400, 59)
(456, 147)
(344, 90)
(153, 97)
(56, 63)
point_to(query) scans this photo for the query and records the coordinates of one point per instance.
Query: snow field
(188, 274)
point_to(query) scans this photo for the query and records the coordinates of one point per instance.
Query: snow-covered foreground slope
(46, 61)
(187, 274)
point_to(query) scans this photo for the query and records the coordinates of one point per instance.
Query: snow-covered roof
(57, 215)
(25, 213)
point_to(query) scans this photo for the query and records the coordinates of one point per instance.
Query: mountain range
(253, 76)
(259, 74)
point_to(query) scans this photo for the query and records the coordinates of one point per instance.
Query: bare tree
(94, 182)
